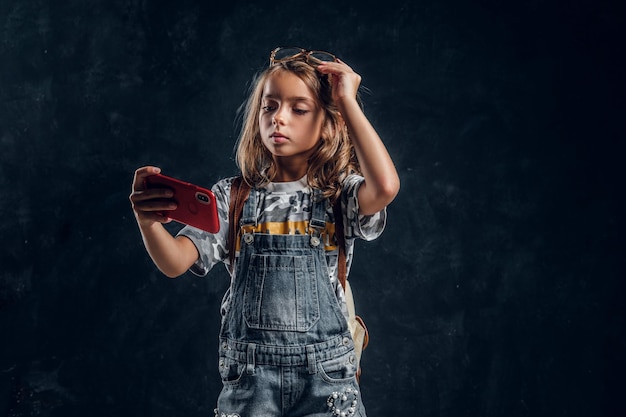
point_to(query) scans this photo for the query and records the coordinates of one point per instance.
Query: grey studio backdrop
(496, 289)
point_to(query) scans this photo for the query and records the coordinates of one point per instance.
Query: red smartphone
(196, 205)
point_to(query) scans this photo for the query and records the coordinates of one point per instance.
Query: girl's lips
(278, 138)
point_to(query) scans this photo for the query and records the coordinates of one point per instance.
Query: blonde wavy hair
(333, 159)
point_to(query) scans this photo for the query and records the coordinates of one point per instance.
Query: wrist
(147, 225)
(347, 103)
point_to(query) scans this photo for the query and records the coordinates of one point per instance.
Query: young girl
(285, 348)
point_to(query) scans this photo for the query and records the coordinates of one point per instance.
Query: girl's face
(290, 118)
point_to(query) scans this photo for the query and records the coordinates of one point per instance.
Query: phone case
(196, 205)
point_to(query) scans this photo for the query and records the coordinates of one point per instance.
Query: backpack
(239, 192)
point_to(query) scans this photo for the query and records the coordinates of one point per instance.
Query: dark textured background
(497, 288)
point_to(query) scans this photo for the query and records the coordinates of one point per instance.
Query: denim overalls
(285, 349)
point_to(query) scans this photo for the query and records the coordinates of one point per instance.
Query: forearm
(381, 178)
(173, 256)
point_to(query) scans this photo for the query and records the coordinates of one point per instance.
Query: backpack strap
(342, 270)
(341, 243)
(239, 191)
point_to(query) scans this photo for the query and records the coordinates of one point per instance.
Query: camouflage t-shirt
(285, 208)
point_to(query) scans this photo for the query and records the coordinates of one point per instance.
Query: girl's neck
(288, 172)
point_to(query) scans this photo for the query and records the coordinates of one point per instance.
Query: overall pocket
(281, 293)
(340, 369)
(231, 370)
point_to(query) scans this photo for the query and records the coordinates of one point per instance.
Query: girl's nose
(278, 119)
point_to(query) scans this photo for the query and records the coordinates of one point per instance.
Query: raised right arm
(173, 256)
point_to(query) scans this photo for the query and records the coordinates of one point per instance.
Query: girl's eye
(268, 109)
(300, 111)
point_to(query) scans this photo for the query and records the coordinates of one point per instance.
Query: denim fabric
(285, 349)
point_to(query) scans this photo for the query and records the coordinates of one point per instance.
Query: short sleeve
(212, 247)
(359, 226)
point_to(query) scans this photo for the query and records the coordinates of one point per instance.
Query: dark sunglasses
(313, 58)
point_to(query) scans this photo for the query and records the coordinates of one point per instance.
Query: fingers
(154, 199)
(141, 174)
(345, 82)
(336, 67)
(150, 205)
(146, 218)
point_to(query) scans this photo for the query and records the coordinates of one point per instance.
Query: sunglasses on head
(313, 58)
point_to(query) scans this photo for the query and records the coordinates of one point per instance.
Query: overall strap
(239, 191)
(318, 211)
